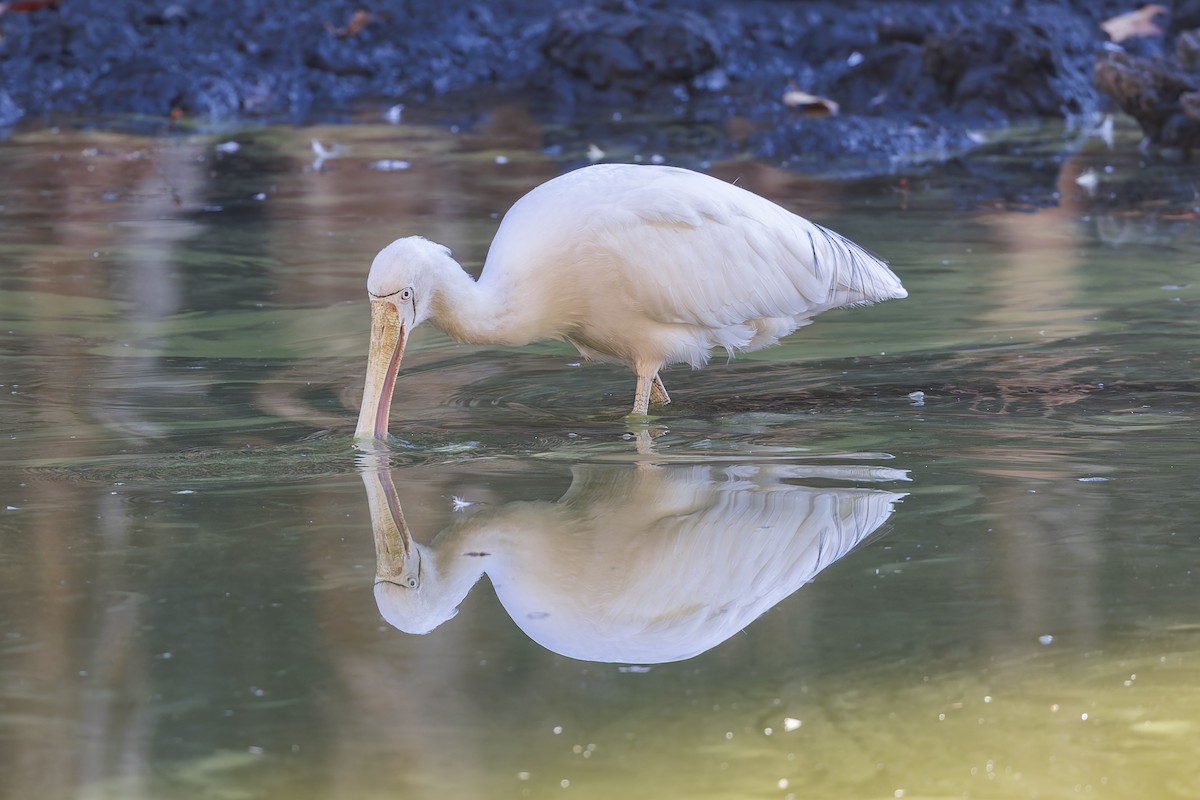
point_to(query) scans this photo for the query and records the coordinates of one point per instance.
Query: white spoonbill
(638, 264)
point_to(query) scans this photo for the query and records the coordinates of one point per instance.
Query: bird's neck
(483, 312)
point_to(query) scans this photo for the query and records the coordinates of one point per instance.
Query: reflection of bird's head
(438, 590)
(414, 609)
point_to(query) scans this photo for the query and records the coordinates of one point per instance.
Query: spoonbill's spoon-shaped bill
(638, 264)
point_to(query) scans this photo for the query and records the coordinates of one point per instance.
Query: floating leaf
(389, 165)
(1089, 180)
(810, 104)
(27, 5)
(1134, 23)
(357, 22)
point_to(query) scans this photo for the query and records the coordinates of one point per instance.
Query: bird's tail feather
(860, 277)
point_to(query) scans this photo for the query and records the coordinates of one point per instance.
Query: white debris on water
(321, 151)
(392, 115)
(1089, 180)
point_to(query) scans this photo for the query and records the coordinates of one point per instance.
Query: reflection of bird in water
(642, 265)
(634, 565)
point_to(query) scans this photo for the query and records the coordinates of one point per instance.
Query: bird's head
(401, 286)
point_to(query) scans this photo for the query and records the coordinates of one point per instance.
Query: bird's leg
(658, 392)
(649, 387)
(641, 396)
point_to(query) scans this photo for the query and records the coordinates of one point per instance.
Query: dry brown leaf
(1134, 23)
(358, 21)
(810, 104)
(27, 5)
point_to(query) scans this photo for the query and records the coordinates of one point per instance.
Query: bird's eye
(406, 295)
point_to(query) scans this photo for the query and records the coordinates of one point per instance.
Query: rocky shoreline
(903, 76)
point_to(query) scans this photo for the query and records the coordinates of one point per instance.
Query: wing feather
(699, 251)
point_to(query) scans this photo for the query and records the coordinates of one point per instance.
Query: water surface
(942, 547)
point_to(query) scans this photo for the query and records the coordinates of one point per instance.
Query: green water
(800, 580)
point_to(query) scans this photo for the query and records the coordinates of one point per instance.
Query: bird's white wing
(696, 250)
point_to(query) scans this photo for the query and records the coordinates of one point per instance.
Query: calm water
(802, 580)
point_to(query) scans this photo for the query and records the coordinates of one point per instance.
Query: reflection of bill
(633, 564)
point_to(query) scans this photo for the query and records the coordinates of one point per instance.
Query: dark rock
(1000, 69)
(1190, 103)
(1158, 93)
(893, 78)
(926, 72)
(860, 145)
(1187, 50)
(141, 84)
(10, 112)
(991, 67)
(173, 14)
(1156, 85)
(908, 28)
(620, 45)
(255, 56)
(1184, 16)
(920, 70)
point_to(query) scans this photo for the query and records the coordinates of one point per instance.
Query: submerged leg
(658, 392)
